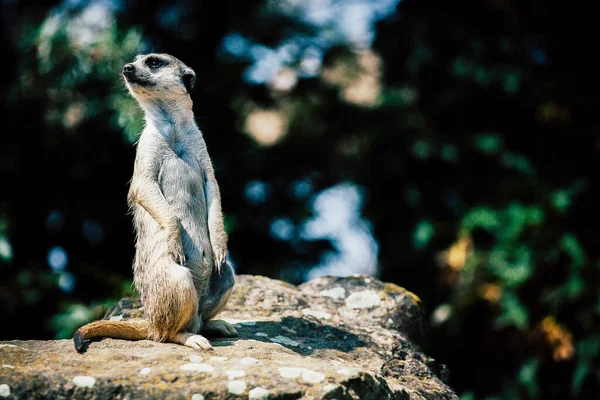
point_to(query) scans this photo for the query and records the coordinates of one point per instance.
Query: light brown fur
(180, 266)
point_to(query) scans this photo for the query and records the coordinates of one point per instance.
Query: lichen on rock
(332, 337)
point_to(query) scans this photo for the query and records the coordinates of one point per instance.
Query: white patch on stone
(195, 359)
(7, 366)
(258, 393)
(307, 375)
(364, 299)
(261, 334)
(288, 330)
(316, 314)
(285, 341)
(248, 360)
(218, 359)
(291, 372)
(84, 381)
(343, 371)
(233, 321)
(337, 292)
(116, 318)
(12, 345)
(236, 387)
(145, 371)
(328, 388)
(4, 390)
(390, 321)
(235, 373)
(312, 376)
(197, 367)
(367, 280)
(197, 396)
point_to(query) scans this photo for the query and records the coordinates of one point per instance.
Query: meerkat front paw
(193, 341)
(220, 254)
(175, 248)
(219, 328)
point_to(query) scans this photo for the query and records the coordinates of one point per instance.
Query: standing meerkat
(180, 266)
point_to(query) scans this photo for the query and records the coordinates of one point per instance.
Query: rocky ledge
(330, 338)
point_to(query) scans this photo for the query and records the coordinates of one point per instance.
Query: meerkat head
(152, 77)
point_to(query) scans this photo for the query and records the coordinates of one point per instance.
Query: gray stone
(330, 338)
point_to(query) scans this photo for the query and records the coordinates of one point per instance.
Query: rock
(330, 338)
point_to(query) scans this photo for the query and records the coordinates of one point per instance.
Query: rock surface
(330, 338)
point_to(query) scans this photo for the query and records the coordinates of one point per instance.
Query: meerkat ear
(189, 79)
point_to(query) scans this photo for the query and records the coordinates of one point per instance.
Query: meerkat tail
(133, 329)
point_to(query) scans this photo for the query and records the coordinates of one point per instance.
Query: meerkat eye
(154, 63)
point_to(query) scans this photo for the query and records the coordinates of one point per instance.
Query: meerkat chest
(185, 149)
(181, 176)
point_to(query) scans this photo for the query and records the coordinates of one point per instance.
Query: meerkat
(180, 266)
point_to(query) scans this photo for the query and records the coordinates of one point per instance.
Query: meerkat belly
(182, 184)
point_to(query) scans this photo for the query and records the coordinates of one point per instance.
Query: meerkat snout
(128, 69)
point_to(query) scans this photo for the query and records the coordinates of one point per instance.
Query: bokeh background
(448, 147)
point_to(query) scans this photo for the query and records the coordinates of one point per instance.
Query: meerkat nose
(128, 69)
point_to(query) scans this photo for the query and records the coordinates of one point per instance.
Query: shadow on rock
(299, 335)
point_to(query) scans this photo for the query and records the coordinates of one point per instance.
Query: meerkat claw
(220, 255)
(193, 341)
(198, 342)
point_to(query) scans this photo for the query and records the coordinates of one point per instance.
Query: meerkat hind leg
(195, 325)
(219, 328)
(192, 340)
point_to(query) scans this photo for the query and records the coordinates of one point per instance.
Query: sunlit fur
(180, 266)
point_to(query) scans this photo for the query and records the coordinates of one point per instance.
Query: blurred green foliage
(469, 131)
(82, 64)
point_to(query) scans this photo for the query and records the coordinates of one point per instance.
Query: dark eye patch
(155, 63)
